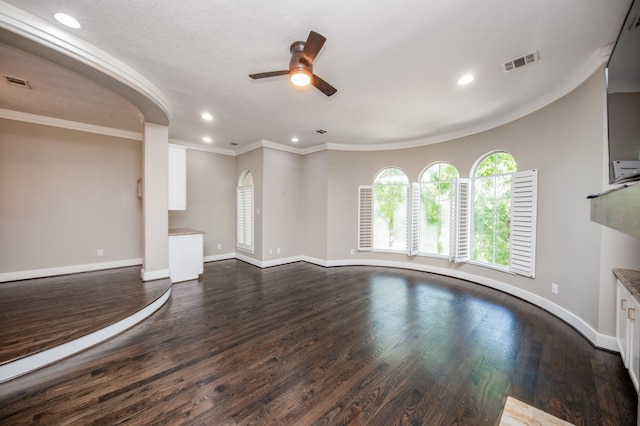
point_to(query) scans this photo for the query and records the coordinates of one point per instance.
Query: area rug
(517, 413)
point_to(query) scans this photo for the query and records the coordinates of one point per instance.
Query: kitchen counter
(183, 231)
(629, 278)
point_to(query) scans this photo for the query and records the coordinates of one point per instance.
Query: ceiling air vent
(527, 59)
(636, 23)
(15, 81)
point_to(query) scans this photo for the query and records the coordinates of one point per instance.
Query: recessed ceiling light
(294, 139)
(465, 79)
(206, 139)
(67, 20)
(206, 116)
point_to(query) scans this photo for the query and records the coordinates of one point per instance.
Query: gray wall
(282, 207)
(211, 192)
(313, 235)
(64, 195)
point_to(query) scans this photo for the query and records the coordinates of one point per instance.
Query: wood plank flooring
(301, 344)
(42, 313)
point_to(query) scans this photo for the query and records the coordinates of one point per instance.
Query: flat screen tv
(623, 101)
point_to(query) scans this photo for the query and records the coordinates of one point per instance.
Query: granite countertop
(629, 278)
(183, 231)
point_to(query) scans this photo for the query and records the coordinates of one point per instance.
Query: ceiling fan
(301, 65)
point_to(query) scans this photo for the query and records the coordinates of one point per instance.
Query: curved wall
(564, 141)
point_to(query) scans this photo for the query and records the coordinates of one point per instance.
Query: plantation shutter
(453, 221)
(524, 197)
(462, 220)
(413, 243)
(244, 217)
(365, 218)
(239, 216)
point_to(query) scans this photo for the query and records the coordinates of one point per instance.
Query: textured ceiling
(395, 65)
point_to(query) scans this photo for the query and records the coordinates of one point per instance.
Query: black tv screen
(623, 101)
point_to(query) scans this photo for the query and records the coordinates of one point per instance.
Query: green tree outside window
(436, 186)
(492, 208)
(390, 209)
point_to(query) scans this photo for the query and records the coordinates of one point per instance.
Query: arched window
(492, 208)
(437, 184)
(390, 190)
(244, 212)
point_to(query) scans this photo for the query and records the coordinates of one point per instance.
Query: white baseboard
(281, 261)
(315, 261)
(154, 275)
(216, 257)
(267, 263)
(63, 270)
(249, 260)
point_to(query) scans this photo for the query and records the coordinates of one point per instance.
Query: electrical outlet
(554, 288)
(278, 250)
(353, 251)
(270, 251)
(100, 252)
(219, 246)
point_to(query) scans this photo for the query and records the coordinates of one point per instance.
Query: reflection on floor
(517, 413)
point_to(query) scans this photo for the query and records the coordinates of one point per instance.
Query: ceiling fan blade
(323, 86)
(268, 74)
(312, 46)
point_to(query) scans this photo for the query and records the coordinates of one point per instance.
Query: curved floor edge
(38, 360)
(597, 339)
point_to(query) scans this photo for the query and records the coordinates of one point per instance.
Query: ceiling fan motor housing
(296, 53)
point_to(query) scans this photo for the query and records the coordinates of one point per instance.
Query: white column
(155, 201)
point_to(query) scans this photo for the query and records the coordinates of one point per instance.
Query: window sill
(499, 268)
(434, 255)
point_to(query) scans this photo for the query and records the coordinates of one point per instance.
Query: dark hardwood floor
(42, 313)
(301, 344)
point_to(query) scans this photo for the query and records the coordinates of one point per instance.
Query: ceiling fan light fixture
(300, 77)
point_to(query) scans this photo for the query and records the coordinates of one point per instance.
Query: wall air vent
(527, 59)
(15, 81)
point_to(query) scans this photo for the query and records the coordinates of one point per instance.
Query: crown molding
(204, 148)
(67, 124)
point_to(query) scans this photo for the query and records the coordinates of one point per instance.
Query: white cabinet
(185, 254)
(622, 323)
(633, 312)
(628, 331)
(177, 177)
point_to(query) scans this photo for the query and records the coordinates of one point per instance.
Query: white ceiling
(395, 65)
